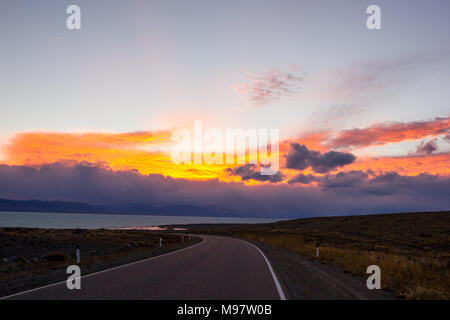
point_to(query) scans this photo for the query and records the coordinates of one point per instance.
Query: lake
(97, 221)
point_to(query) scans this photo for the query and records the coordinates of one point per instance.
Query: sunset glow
(362, 120)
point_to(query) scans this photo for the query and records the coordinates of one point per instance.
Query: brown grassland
(412, 249)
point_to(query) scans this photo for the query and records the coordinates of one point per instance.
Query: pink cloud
(271, 85)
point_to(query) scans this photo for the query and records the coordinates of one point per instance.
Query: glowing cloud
(379, 134)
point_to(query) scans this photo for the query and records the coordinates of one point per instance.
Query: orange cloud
(313, 141)
(36, 148)
(141, 151)
(407, 165)
(149, 153)
(379, 134)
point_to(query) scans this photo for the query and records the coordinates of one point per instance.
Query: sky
(363, 114)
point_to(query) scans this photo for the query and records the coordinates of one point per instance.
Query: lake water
(97, 221)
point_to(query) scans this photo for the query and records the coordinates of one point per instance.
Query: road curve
(216, 268)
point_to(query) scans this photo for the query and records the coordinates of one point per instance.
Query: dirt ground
(306, 279)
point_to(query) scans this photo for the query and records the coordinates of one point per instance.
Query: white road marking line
(274, 276)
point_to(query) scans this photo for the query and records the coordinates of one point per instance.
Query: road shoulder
(302, 278)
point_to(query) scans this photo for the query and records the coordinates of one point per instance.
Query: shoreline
(50, 220)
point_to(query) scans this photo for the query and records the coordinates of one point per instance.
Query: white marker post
(78, 254)
(160, 242)
(182, 239)
(317, 250)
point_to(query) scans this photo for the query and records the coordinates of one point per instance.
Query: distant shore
(56, 220)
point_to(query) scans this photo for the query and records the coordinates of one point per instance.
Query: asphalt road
(216, 268)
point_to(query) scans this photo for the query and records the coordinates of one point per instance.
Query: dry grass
(412, 278)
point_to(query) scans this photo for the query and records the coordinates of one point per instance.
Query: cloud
(411, 164)
(300, 158)
(303, 179)
(365, 84)
(271, 85)
(379, 134)
(427, 148)
(147, 152)
(384, 184)
(252, 172)
(350, 179)
(392, 183)
(344, 195)
(447, 137)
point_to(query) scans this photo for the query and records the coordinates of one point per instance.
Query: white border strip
(275, 279)
(106, 270)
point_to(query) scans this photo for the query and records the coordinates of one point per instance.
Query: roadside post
(78, 254)
(317, 250)
(160, 242)
(182, 239)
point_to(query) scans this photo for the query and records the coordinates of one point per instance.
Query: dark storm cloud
(300, 158)
(303, 179)
(361, 182)
(252, 172)
(336, 194)
(349, 179)
(389, 183)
